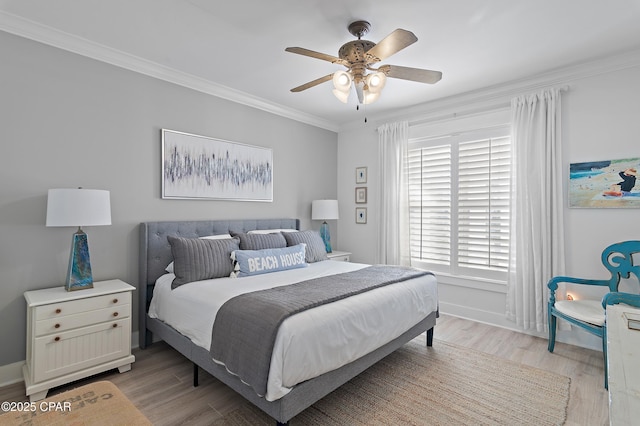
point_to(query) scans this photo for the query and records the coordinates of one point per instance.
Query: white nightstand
(75, 334)
(342, 256)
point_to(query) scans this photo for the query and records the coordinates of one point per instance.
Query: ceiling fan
(359, 56)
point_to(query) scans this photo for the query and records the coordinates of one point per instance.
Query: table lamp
(325, 210)
(78, 207)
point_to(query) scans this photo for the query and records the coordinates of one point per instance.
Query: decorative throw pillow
(198, 259)
(169, 267)
(255, 262)
(315, 250)
(261, 241)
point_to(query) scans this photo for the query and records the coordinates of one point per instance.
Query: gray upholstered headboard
(155, 251)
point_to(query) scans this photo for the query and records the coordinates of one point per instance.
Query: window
(459, 203)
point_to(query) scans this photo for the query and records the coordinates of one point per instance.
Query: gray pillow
(196, 259)
(261, 241)
(315, 250)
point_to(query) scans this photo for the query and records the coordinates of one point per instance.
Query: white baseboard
(575, 336)
(12, 373)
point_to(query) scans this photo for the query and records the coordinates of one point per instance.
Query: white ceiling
(238, 46)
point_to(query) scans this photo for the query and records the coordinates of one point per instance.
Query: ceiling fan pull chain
(364, 108)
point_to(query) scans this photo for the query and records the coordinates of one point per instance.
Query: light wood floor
(160, 382)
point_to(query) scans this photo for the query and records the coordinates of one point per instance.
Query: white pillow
(216, 237)
(271, 231)
(169, 267)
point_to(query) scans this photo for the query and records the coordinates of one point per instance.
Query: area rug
(442, 385)
(96, 404)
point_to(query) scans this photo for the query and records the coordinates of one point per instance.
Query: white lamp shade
(370, 98)
(342, 96)
(342, 81)
(324, 210)
(376, 82)
(78, 207)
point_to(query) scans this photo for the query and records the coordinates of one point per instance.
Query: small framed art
(361, 175)
(361, 195)
(361, 215)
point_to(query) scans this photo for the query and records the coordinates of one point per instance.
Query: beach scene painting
(605, 184)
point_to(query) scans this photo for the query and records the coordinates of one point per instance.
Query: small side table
(342, 256)
(75, 334)
(623, 349)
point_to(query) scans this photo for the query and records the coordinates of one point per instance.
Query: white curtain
(393, 228)
(537, 239)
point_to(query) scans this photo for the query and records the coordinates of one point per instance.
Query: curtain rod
(454, 115)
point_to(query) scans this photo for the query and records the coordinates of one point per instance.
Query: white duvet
(312, 342)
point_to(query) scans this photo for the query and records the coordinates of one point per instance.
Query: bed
(156, 254)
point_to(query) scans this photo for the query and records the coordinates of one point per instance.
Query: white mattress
(335, 334)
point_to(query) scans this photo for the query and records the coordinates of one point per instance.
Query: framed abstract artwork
(604, 184)
(203, 168)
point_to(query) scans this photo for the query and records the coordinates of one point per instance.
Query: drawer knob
(115, 326)
(115, 314)
(58, 310)
(56, 326)
(57, 339)
(115, 300)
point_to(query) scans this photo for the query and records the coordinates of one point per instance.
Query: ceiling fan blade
(393, 43)
(312, 83)
(317, 55)
(413, 74)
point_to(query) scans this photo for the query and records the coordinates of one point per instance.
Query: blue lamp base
(79, 272)
(326, 236)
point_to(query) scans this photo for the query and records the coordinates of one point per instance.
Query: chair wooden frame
(618, 259)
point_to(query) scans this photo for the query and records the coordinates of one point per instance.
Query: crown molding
(22, 27)
(500, 95)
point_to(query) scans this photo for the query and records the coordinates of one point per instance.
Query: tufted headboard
(155, 251)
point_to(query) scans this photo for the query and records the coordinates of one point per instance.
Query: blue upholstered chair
(590, 314)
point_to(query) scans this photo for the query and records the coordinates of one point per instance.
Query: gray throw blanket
(245, 327)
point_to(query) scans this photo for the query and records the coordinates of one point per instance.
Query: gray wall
(69, 121)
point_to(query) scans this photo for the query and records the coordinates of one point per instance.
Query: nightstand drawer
(61, 309)
(341, 256)
(74, 350)
(83, 319)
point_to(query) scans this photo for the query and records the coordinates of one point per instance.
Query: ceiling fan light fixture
(342, 96)
(366, 95)
(370, 97)
(360, 56)
(376, 81)
(342, 81)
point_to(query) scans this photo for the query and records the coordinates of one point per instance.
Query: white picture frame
(203, 168)
(361, 175)
(361, 215)
(361, 195)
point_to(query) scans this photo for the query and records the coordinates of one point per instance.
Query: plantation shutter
(459, 201)
(430, 203)
(483, 203)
